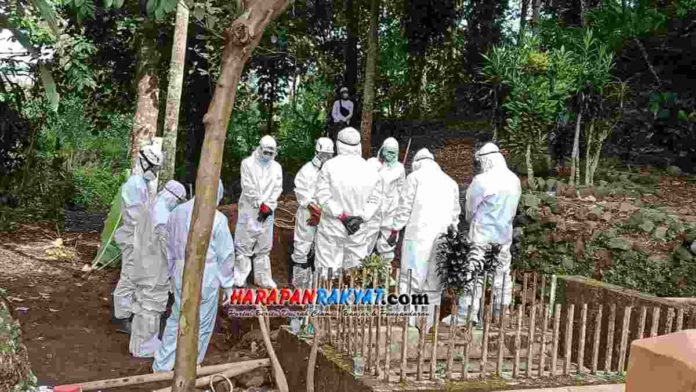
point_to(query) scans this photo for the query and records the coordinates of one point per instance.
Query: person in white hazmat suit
(491, 206)
(308, 211)
(218, 272)
(151, 277)
(135, 209)
(379, 235)
(429, 205)
(348, 193)
(262, 184)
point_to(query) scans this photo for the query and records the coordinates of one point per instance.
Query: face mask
(266, 156)
(344, 96)
(150, 175)
(149, 170)
(390, 156)
(323, 156)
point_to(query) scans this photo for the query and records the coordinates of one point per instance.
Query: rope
(212, 378)
(285, 224)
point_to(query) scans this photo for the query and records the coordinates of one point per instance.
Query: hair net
(490, 157)
(348, 141)
(422, 154)
(324, 144)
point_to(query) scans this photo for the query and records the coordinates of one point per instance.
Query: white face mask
(150, 175)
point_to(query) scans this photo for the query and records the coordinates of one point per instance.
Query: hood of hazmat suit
(267, 149)
(392, 176)
(218, 273)
(150, 161)
(389, 152)
(348, 185)
(491, 199)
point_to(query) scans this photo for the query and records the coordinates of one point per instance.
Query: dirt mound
(456, 158)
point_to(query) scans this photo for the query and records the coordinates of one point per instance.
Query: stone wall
(580, 290)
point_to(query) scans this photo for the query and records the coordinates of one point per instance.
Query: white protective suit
(218, 272)
(429, 205)
(347, 185)
(305, 192)
(393, 177)
(262, 183)
(491, 206)
(151, 277)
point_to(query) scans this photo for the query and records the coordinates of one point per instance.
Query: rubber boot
(123, 325)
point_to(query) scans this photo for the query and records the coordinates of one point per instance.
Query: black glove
(393, 237)
(351, 223)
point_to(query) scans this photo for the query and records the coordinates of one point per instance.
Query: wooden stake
(655, 321)
(378, 338)
(641, 321)
(352, 341)
(404, 334)
(501, 331)
(581, 339)
(363, 319)
(467, 345)
(278, 374)
(610, 338)
(534, 287)
(370, 349)
(530, 339)
(518, 333)
(569, 340)
(486, 338)
(388, 320)
(680, 319)
(624, 338)
(544, 325)
(329, 334)
(670, 318)
(450, 343)
(595, 343)
(524, 288)
(421, 347)
(433, 353)
(339, 315)
(556, 328)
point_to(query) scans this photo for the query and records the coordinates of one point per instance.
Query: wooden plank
(655, 321)
(569, 339)
(387, 341)
(641, 322)
(525, 277)
(370, 348)
(670, 319)
(404, 334)
(433, 352)
(352, 342)
(378, 338)
(518, 341)
(680, 319)
(610, 338)
(486, 338)
(624, 338)
(581, 338)
(363, 318)
(340, 334)
(544, 326)
(556, 328)
(534, 288)
(330, 318)
(530, 340)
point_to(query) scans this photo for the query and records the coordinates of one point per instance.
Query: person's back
(492, 200)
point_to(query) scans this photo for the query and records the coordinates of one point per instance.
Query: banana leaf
(109, 254)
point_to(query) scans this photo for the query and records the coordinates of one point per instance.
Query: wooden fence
(531, 337)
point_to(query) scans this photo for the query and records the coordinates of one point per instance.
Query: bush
(96, 187)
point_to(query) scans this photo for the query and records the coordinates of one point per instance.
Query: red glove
(313, 220)
(393, 237)
(264, 209)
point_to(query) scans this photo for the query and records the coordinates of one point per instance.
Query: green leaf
(49, 86)
(108, 252)
(199, 13)
(118, 3)
(108, 3)
(78, 3)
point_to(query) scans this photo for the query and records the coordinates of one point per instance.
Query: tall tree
(483, 31)
(147, 104)
(370, 77)
(176, 79)
(524, 8)
(350, 50)
(240, 40)
(536, 9)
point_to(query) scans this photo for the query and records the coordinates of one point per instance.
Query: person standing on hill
(341, 113)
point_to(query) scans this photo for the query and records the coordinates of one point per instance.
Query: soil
(65, 314)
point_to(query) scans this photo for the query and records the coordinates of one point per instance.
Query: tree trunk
(530, 167)
(583, 10)
(147, 105)
(350, 50)
(588, 153)
(523, 14)
(176, 78)
(576, 147)
(644, 53)
(240, 40)
(536, 8)
(370, 76)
